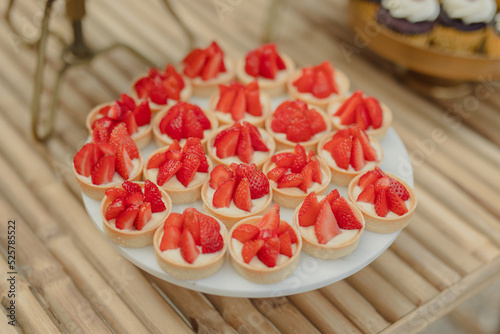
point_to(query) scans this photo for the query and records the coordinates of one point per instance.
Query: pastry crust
(343, 84)
(134, 238)
(206, 88)
(378, 224)
(141, 139)
(283, 197)
(186, 271)
(342, 177)
(265, 102)
(274, 87)
(96, 192)
(310, 145)
(227, 219)
(330, 252)
(264, 275)
(218, 161)
(178, 196)
(164, 140)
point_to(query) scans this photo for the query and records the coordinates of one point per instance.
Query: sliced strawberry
(219, 175)
(342, 153)
(299, 131)
(115, 208)
(143, 216)
(382, 183)
(307, 177)
(250, 249)
(305, 82)
(114, 193)
(276, 173)
(224, 194)
(399, 189)
(259, 184)
(395, 203)
(84, 160)
(299, 159)
(357, 156)
(290, 180)
(244, 170)
(124, 164)
(283, 159)
(212, 66)
(200, 116)
(119, 135)
(191, 127)
(322, 86)
(368, 151)
(226, 99)
(381, 206)
(187, 172)
(309, 210)
(271, 220)
(362, 117)
(241, 197)
(317, 175)
(194, 62)
(252, 98)
(175, 219)
(258, 143)
(316, 121)
(244, 148)
(104, 170)
(191, 223)
(350, 104)
(171, 123)
(210, 238)
(125, 220)
(131, 187)
(285, 245)
(134, 199)
(189, 251)
(156, 160)
(375, 111)
(238, 105)
(105, 148)
(171, 238)
(269, 252)
(104, 111)
(346, 219)
(285, 228)
(142, 114)
(326, 227)
(265, 234)
(131, 124)
(114, 112)
(152, 195)
(367, 179)
(167, 170)
(367, 195)
(268, 67)
(245, 232)
(226, 141)
(252, 62)
(330, 198)
(106, 124)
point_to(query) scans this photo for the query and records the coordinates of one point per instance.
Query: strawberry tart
(330, 228)
(348, 153)
(236, 102)
(295, 122)
(264, 249)
(181, 171)
(181, 121)
(162, 88)
(364, 111)
(385, 200)
(191, 245)
(236, 192)
(132, 212)
(318, 85)
(207, 68)
(270, 68)
(239, 143)
(100, 165)
(294, 173)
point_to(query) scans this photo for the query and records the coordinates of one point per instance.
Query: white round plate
(311, 273)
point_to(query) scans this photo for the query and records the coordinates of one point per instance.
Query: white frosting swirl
(412, 10)
(470, 11)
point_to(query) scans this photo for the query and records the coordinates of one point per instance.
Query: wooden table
(70, 278)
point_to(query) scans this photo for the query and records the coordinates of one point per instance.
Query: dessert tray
(311, 273)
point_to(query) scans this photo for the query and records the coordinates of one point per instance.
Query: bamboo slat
(242, 315)
(354, 307)
(5, 327)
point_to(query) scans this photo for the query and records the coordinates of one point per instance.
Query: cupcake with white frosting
(412, 20)
(492, 43)
(462, 24)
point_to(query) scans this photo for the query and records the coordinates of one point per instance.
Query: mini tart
(340, 78)
(164, 140)
(324, 251)
(292, 197)
(179, 194)
(226, 118)
(378, 224)
(342, 177)
(377, 134)
(273, 87)
(232, 215)
(258, 157)
(282, 143)
(184, 270)
(133, 237)
(263, 275)
(142, 137)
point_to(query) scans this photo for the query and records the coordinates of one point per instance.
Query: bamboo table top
(71, 279)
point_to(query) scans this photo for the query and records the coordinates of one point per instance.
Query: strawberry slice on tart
(349, 152)
(190, 245)
(136, 115)
(264, 249)
(366, 112)
(179, 170)
(330, 226)
(132, 211)
(318, 85)
(207, 68)
(293, 174)
(182, 121)
(294, 122)
(236, 192)
(237, 102)
(268, 66)
(386, 201)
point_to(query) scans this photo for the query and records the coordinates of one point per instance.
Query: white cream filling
(116, 177)
(282, 137)
(281, 76)
(327, 157)
(174, 256)
(310, 96)
(257, 204)
(155, 219)
(255, 262)
(165, 137)
(226, 117)
(221, 77)
(413, 10)
(336, 119)
(173, 183)
(345, 236)
(370, 208)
